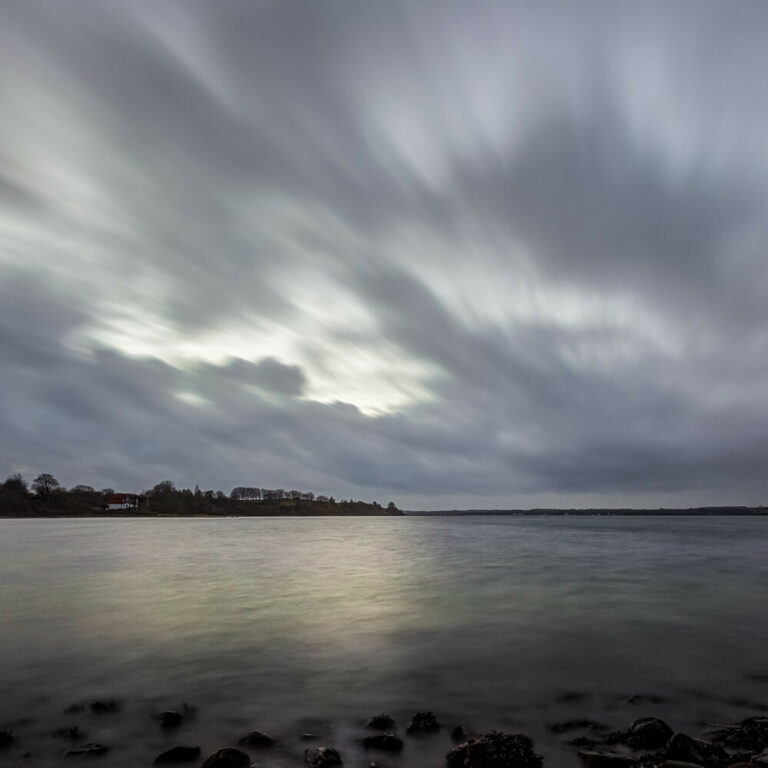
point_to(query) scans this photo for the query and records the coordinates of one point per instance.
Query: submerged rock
(87, 750)
(96, 706)
(576, 725)
(495, 750)
(386, 742)
(170, 719)
(73, 733)
(257, 739)
(382, 722)
(229, 757)
(322, 757)
(606, 760)
(6, 738)
(423, 722)
(178, 755)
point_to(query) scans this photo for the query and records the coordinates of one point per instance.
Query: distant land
(704, 511)
(47, 498)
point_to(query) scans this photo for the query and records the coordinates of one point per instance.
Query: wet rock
(170, 719)
(678, 764)
(684, 749)
(257, 739)
(606, 760)
(6, 738)
(72, 733)
(386, 742)
(762, 758)
(495, 750)
(381, 722)
(307, 736)
(751, 735)
(229, 757)
(648, 733)
(459, 733)
(423, 722)
(178, 755)
(87, 750)
(322, 757)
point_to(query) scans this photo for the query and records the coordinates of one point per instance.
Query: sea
(304, 628)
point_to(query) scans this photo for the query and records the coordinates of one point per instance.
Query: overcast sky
(451, 254)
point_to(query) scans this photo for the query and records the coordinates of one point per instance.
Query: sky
(444, 253)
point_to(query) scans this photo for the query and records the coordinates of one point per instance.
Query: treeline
(47, 497)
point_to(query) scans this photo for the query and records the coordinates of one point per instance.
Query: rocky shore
(648, 742)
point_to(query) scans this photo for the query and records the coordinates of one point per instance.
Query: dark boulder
(322, 757)
(386, 742)
(178, 755)
(750, 734)
(381, 722)
(229, 757)
(607, 760)
(6, 738)
(684, 749)
(87, 750)
(423, 722)
(494, 750)
(648, 733)
(459, 733)
(257, 739)
(170, 719)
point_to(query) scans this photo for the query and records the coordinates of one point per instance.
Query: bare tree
(45, 484)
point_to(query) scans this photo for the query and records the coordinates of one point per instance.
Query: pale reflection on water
(315, 624)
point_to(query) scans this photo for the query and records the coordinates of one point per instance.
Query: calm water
(293, 625)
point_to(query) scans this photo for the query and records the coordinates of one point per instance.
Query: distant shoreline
(625, 512)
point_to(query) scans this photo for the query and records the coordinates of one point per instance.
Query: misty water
(314, 625)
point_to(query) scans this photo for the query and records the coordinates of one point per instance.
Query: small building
(118, 501)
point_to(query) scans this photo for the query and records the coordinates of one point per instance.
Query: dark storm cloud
(499, 255)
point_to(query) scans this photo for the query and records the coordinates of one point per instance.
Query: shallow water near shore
(296, 625)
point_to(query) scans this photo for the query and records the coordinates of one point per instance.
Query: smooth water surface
(299, 624)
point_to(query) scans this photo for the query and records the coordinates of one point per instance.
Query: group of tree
(46, 496)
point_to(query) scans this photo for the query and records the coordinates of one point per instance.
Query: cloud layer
(496, 255)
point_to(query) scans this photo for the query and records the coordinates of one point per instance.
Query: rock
(257, 739)
(307, 736)
(423, 722)
(6, 738)
(678, 764)
(684, 749)
(648, 733)
(644, 698)
(88, 750)
(170, 719)
(322, 757)
(386, 742)
(96, 706)
(178, 755)
(494, 750)
(762, 758)
(459, 733)
(606, 760)
(229, 757)
(73, 733)
(381, 722)
(751, 734)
